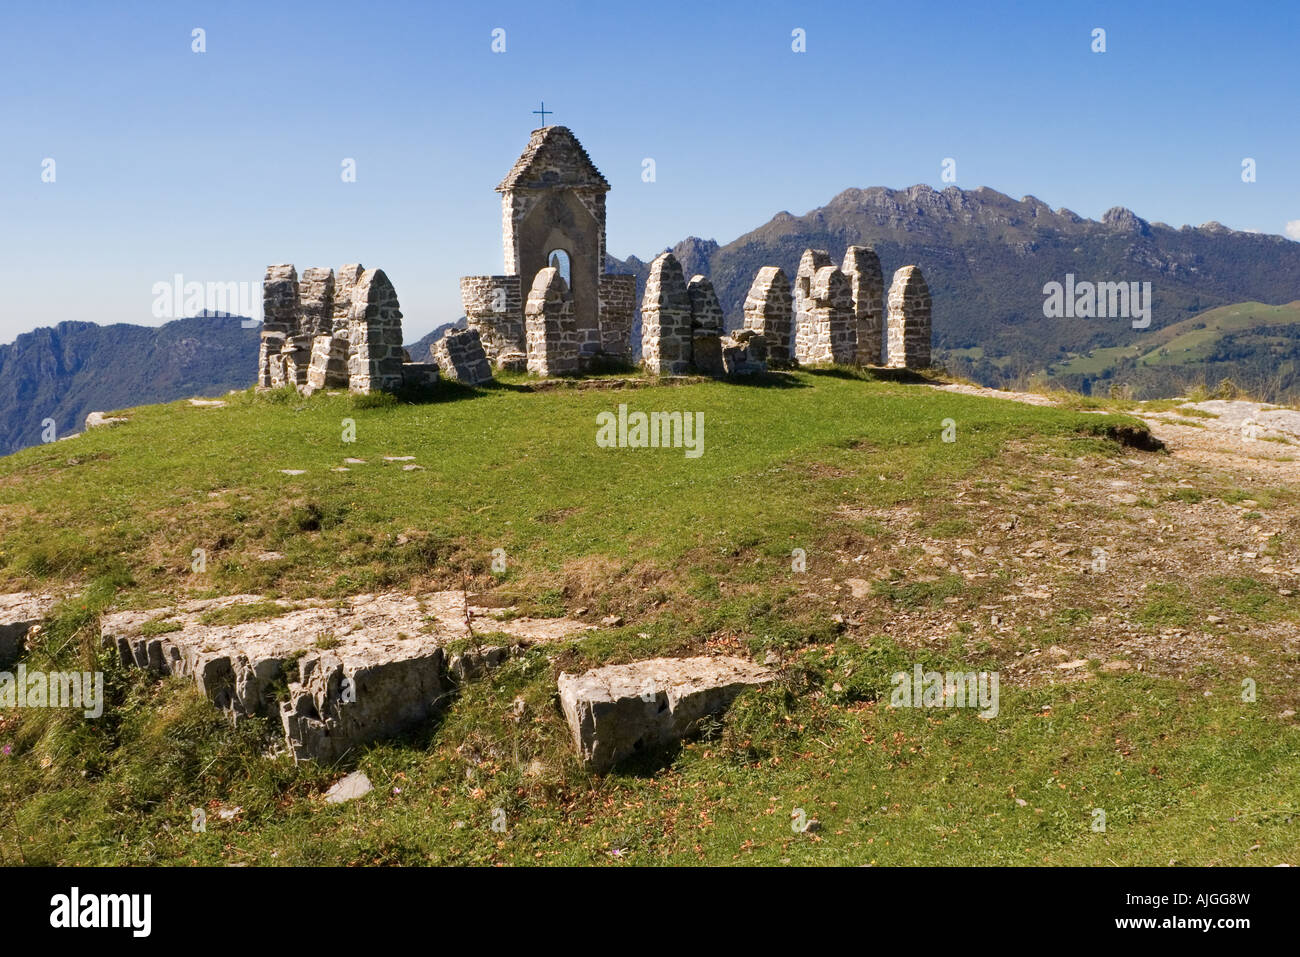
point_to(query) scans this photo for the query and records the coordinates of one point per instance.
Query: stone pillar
(811, 261)
(706, 326)
(280, 311)
(867, 283)
(316, 299)
(824, 331)
(550, 327)
(374, 335)
(345, 278)
(666, 336)
(768, 312)
(909, 320)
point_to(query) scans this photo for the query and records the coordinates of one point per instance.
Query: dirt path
(1255, 440)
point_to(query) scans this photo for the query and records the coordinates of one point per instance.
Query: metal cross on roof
(543, 111)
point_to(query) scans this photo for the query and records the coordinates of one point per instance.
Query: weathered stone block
(19, 613)
(620, 710)
(744, 352)
(460, 356)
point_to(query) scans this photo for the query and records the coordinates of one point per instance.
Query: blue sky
(212, 165)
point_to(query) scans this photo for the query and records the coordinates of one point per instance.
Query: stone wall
(316, 302)
(617, 309)
(332, 330)
(551, 331)
(769, 312)
(824, 324)
(666, 334)
(375, 335)
(867, 283)
(706, 326)
(909, 320)
(494, 305)
(328, 368)
(279, 321)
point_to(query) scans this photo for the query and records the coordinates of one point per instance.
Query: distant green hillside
(1255, 345)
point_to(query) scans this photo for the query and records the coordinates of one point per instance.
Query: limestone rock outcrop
(337, 674)
(19, 613)
(620, 710)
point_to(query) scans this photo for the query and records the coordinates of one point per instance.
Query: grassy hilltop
(975, 554)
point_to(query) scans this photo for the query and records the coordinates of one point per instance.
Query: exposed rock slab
(18, 613)
(619, 710)
(96, 419)
(338, 674)
(349, 788)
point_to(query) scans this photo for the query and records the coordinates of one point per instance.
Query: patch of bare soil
(1146, 561)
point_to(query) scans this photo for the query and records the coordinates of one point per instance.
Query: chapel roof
(553, 158)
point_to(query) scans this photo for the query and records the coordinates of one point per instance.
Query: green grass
(695, 554)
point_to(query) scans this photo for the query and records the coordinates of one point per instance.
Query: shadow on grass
(873, 374)
(766, 380)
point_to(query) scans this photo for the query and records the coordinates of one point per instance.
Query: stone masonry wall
(279, 321)
(494, 305)
(617, 307)
(706, 326)
(909, 320)
(375, 335)
(811, 261)
(825, 327)
(666, 334)
(769, 312)
(862, 267)
(316, 302)
(551, 329)
(345, 278)
(328, 368)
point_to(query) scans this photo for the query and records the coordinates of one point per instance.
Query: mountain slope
(66, 371)
(987, 256)
(1254, 345)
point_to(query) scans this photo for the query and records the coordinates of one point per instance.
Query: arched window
(560, 260)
